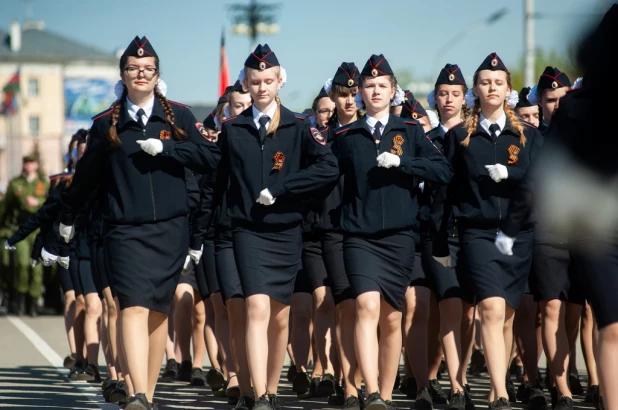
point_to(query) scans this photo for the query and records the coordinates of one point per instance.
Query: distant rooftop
(36, 45)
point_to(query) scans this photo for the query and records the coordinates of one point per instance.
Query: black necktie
(140, 120)
(263, 120)
(494, 128)
(377, 134)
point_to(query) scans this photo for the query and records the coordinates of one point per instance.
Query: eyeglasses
(323, 112)
(148, 72)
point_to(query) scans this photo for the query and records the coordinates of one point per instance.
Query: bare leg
(78, 328)
(389, 349)
(199, 321)
(157, 334)
(346, 319)
(212, 346)
(416, 320)
(365, 333)
(183, 309)
(222, 331)
(324, 328)
(525, 330)
(92, 324)
(237, 318)
(608, 354)
(450, 328)
(277, 342)
(112, 322)
(258, 317)
(467, 339)
(135, 343)
(302, 309)
(69, 318)
(434, 347)
(492, 312)
(587, 345)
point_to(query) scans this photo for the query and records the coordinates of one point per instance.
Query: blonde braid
(515, 123)
(274, 122)
(178, 133)
(472, 122)
(112, 134)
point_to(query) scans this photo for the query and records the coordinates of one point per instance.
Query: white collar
(443, 128)
(257, 114)
(132, 108)
(485, 123)
(371, 122)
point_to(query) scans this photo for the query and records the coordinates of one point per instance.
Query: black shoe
(352, 403)
(390, 405)
(245, 403)
(233, 395)
(262, 403)
(221, 392)
(469, 402)
(515, 370)
(523, 392)
(108, 388)
(137, 402)
(327, 385)
(553, 392)
(77, 368)
(119, 394)
(536, 400)
(291, 375)
(215, 379)
(301, 383)
(539, 380)
(338, 399)
(184, 371)
(313, 388)
(32, 307)
(575, 385)
(69, 361)
(411, 387)
(500, 404)
(597, 400)
(438, 396)
(477, 363)
(423, 400)
(90, 374)
(154, 406)
(468, 389)
(171, 369)
(510, 390)
(275, 403)
(197, 377)
(590, 393)
(457, 402)
(565, 403)
(374, 402)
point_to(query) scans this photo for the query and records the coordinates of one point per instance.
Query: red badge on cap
(317, 137)
(200, 128)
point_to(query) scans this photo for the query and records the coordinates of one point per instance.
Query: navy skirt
(65, 279)
(227, 272)
(554, 275)
(268, 260)
(383, 263)
(492, 273)
(145, 261)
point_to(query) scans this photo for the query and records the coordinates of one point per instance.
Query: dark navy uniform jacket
(377, 199)
(135, 186)
(323, 208)
(249, 166)
(476, 200)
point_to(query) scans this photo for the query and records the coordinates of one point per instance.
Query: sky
(314, 38)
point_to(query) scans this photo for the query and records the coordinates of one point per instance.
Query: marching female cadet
(489, 154)
(270, 158)
(323, 252)
(455, 299)
(378, 213)
(146, 237)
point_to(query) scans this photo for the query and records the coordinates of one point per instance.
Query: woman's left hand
(151, 146)
(388, 160)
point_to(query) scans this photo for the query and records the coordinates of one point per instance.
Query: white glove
(151, 146)
(187, 268)
(266, 198)
(504, 243)
(497, 172)
(196, 255)
(444, 260)
(388, 160)
(9, 247)
(34, 262)
(63, 261)
(48, 258)
(67, 232)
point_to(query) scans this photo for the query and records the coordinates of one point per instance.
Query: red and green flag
(11, 89)
(224, 75)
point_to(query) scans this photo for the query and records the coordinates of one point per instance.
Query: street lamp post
(253, 19)
(477, 26)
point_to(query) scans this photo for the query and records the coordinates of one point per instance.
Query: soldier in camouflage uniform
(24, 195)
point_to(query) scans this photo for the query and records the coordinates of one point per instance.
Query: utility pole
(529, 16)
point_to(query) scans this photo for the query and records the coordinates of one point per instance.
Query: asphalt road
(32, 376)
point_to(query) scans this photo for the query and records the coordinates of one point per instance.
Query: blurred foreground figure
(574, 185)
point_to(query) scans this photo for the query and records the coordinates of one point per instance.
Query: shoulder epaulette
(301, 117)
(411, 122)
(102, 114)
(526, 123)
(342, 129)
(60, 175)
(230, 119)
(323, 128)
(179, 104)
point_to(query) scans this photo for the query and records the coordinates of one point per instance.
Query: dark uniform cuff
(195, 244)
(510, 228)
(276, 190)
(440, 249)
(168, 147)
(405, 164)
